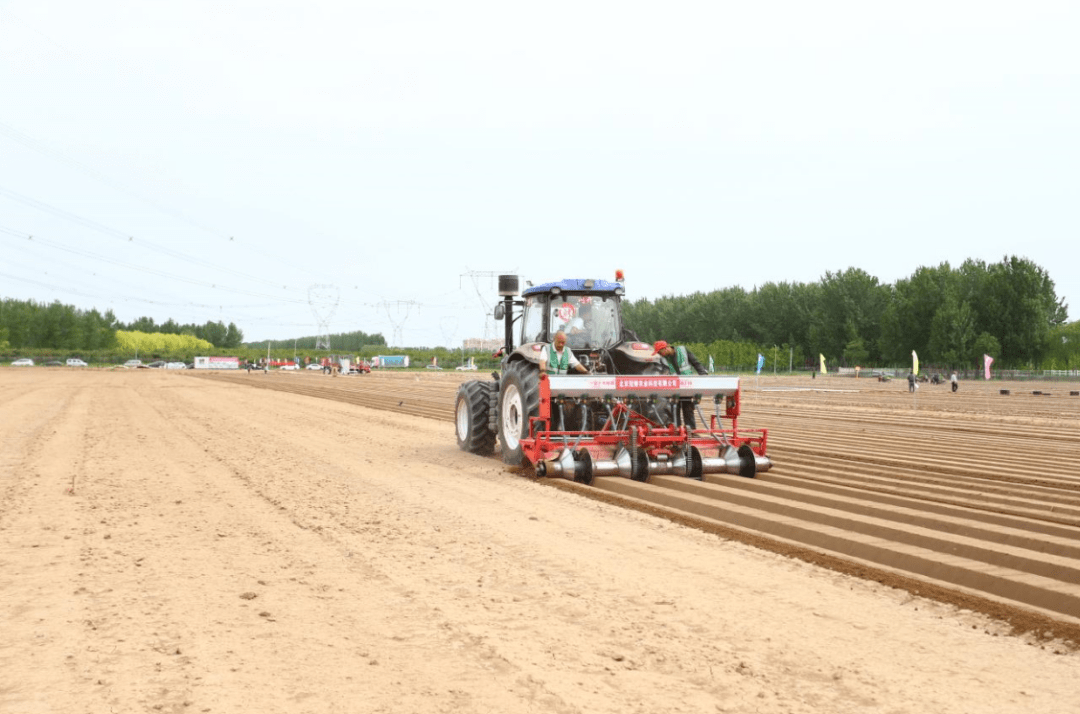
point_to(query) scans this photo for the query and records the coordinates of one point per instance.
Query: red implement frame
(654, 446)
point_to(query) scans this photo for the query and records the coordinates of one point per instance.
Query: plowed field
(968, 493)
(296, 542)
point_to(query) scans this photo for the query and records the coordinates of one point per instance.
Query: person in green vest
(679, 360)
(557, 358)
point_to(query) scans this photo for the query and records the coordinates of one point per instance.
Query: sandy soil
(185, 545)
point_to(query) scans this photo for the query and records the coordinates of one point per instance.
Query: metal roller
(742, 461)
(630, 462)
(562, 465)
(583, 467)
(575, 466)
(688, 463)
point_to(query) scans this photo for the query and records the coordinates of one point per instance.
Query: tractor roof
(575, 285)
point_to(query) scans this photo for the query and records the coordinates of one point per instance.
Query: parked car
(76, 362)
(175, 365)
(314, 365)
(434, 366)
(290, 366)
(54, 363)
(466, 368)
(132, 363)
(24, 362)
(159, 364)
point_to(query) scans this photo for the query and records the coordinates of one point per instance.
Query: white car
(313, 365)
(466, 368)
(76, 362)
(289, 366)
(24, 362)
(175, 365)
(133, 363)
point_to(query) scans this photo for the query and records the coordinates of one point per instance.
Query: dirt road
(190, 545)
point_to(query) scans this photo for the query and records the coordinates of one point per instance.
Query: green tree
(215, 333)
(1064, 349)
(142, 324)
(1019, 306)
(907, 321)
(855, 352)
(985, 344)
(952, 332)
(779, 313)
(851, 305)
(234, 337)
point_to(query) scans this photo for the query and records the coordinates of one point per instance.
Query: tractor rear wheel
(471, 417)
(519, 399)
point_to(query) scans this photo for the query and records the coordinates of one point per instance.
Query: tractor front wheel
(519, 399)
(471, 418)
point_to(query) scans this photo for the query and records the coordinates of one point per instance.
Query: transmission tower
(485, 298)
(448, 325)
(398, 311)
(323, 300)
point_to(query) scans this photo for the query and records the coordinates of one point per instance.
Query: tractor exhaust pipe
(508, 290)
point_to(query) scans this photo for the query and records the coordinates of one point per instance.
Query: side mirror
(500, 311)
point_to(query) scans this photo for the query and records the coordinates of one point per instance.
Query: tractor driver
(579, 329)
(557, 358)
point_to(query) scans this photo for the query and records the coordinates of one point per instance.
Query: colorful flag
(914, 363)
(760, 362)
(822, 363)
(987, 361)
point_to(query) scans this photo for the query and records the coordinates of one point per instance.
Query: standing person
(679, 360)
(557, 358)
(953, 381)
(911, 381)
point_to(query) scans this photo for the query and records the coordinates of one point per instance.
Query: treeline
(339, 343)
(949, 317)
(30, 325)
(218, 334)
(55, 327)
(25, 324)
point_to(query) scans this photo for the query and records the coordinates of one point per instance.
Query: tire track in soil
(971, 498)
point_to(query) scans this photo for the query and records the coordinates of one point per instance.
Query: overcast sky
(276, 163)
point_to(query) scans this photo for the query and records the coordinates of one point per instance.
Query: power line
(398, 316)
(475, 276)
(323, 300)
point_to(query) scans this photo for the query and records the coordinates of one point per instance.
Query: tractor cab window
(605, 330)
(590, 321)
(532, 321)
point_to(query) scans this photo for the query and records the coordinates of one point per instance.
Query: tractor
(622, 418)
